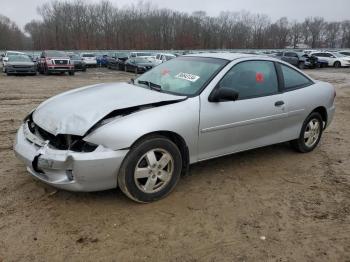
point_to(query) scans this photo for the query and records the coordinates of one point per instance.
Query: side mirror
(223, 94)
(5, 59)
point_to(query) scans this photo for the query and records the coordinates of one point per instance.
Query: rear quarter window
(293, 79)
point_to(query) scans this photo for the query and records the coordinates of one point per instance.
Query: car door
(324, 57)
(257, 118)
(331, 58)
(297, 92)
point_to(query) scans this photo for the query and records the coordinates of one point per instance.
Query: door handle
(279, 103)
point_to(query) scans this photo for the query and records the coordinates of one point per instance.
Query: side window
(251, 79)
(293, 79)
(290, 54)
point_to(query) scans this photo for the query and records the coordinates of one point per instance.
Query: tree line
(11, 37)
(82, 25)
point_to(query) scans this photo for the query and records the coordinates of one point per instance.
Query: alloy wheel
(154, 170)
(312, 132)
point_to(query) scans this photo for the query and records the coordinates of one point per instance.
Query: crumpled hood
(75, 112)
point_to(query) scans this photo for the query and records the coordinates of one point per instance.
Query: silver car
(141, 136)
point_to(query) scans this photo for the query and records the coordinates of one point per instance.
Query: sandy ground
(270, 204)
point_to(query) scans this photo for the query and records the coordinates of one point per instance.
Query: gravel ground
(269, 204)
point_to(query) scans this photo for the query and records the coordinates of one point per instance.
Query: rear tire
(301, 65)
(143, 177)
(310, 134)
(71, 73)
(46, 71)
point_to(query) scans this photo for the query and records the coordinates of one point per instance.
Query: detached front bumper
(21, 70)
(68, 170)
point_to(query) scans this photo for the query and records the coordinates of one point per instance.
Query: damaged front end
(67, 161)
(61, 141)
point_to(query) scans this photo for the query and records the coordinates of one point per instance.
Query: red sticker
(259, 77)
(165, 71)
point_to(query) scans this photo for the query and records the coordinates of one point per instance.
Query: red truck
(51, 61)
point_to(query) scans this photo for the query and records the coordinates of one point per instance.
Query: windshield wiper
(151, 85)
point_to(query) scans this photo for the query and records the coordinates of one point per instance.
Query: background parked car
(52, 61)
(346, 53)
(163, 57)
(89, 59)
(298, 59)
(102, 60)
(333, 58)
(5, 57)
(138, 64)
(117, 61)
(20, 64)
(142, 54)
(79, 64)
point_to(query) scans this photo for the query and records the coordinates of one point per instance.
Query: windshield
(183, 75)
(339, 55)
(168, 57)
(122, 55)
(75, 57)
(88, 55)
(13, 53)
(144, 54)
(142, 60)
(56, 54)
(19, 58)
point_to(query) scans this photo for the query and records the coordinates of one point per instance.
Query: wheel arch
(323, 112)
(178, 140)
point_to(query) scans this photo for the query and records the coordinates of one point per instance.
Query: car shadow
(196, 173)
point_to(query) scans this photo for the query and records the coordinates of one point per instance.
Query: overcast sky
(22, 11)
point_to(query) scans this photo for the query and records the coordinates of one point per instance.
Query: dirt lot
(270, 204)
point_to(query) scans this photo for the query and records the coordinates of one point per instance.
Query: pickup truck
(55, 62)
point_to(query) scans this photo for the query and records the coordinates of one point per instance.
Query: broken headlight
(82, 146)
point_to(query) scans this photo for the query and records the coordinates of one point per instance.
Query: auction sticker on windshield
(188, 77)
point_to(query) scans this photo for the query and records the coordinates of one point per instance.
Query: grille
(19, 66)
(61, 62)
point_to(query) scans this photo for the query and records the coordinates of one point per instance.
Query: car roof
(14, 52)
(165, 54)
(229, 56)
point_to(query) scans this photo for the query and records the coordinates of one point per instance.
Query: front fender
(181, 118)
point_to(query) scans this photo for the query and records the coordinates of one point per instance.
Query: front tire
(151, 169)
(337, 64)
(310, 134)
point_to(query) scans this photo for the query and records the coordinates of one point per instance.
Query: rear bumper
(68, 170)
